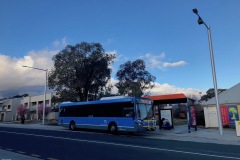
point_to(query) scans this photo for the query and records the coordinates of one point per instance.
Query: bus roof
(114, 97)
(112, 100)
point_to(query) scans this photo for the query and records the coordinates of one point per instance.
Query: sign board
(165, 119)
(193, 116)
(237, 124)
(225, 115)
(233, 115)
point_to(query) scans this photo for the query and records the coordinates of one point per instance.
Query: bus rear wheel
(72, 126)
(112, 128)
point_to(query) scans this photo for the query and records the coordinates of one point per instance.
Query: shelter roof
(169, 98)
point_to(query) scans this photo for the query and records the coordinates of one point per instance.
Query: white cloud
(157, 61)
(115, 60)
(163, 89)
(175, 64)
(112, 83)
(60, 43)
(16, 79)
(160, 56)
(14, 76)
(113, 53)
(108, 41)
(119, 59)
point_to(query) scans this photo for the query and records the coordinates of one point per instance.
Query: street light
(200, 21)
(45, 88)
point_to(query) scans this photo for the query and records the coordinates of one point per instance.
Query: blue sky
(163, 33)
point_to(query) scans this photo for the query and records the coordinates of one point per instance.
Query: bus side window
(130, 114)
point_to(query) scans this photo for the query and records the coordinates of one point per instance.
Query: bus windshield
(144, 111)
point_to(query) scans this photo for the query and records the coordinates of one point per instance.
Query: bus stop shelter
(160, 101)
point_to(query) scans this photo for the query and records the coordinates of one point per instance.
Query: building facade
(9, 112)
(9, 109)
(229, 103)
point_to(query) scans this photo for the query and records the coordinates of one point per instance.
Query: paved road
(55, 145)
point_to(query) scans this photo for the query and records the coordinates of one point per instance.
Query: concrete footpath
(180, 133)
(203, 135)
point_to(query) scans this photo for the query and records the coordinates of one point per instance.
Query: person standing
(23, 119)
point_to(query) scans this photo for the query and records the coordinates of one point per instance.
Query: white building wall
(210, 115)
(206, 117)
(226, 98)
(34, 101)
(52, 115)
(9, 109)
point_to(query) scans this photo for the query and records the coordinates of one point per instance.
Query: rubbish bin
(237, 124)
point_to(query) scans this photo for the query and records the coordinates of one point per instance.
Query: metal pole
(37, 110)
(214, 80)
(45, 88)
(200, 21)
(44, 101)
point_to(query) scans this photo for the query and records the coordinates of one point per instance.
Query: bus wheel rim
(72, 126)
(113, 128)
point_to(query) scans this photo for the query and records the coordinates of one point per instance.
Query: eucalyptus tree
(80, 71)
(134, 79)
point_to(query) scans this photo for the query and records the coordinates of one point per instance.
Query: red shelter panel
(225, 115)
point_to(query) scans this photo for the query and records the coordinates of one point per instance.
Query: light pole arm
(35, 68)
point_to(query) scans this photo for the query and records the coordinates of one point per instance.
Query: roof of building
(230, 96)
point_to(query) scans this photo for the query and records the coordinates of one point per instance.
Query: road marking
(9, 149)
(51, 159)
(124, 145)
(35, 155)
(21, 152)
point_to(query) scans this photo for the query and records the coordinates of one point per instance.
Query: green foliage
(210, 94)
(134, 79)
(80, 71)
(20, 96)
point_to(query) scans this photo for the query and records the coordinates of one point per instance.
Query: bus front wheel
(72, 126)
(112, 128)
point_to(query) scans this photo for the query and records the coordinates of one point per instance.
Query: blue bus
(113, 114)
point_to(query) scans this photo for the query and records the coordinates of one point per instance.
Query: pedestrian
(161, 123)
(22, 119)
